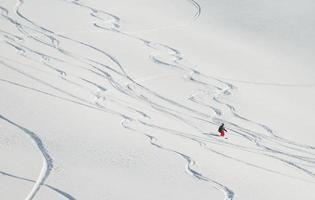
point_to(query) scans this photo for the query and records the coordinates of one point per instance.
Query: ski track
(47, 160)
(113, 74)
(62, 193)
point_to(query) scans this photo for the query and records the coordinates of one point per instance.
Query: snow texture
(122, 99)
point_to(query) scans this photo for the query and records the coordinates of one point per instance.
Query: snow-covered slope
(122, 99)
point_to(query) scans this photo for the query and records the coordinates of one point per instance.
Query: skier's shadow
(215, 135)
(212, 134)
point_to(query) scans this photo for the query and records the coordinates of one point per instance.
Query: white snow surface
(113, 100)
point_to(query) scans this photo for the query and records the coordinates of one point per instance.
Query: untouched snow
(122, 99)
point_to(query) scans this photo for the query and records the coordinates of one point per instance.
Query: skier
(221, 130)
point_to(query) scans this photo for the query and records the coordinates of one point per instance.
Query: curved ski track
(267, 143)
(47, 160)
